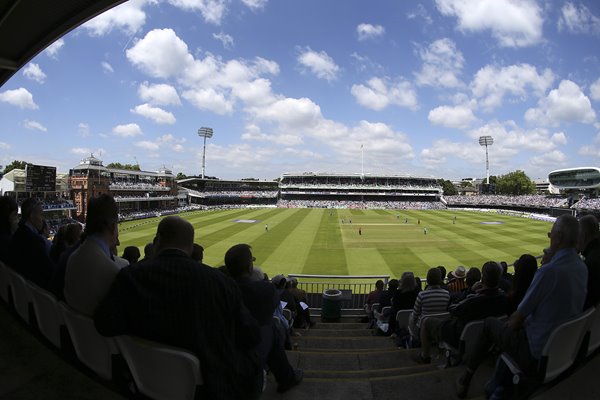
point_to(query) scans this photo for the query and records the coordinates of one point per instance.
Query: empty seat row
(159, 371)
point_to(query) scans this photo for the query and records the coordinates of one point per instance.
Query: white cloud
(127, 130)
(148, 145)
(83, 129)
(33, 72)
(378, 93)
(107, 68)
(458, 117)
(127, 17)
(550, 160)
(368, 31)
(156, 114)
(441, 149)
(4, 146)
(213, 11)
(422, 13)
(442, 63)
(159, 94)
(52, 50)
(559, 138)
(513, 23)
(565, 104)
(160, 54)
(209, 99)
(255, 4)
(34, 125)
(578, 20)
(319, 63)
(20, 97)
(491, 83)
(595, 90)
(253, 133)
(225, 39)
(589, 150)
(86, 151)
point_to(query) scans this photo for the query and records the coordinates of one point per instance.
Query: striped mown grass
(315, 241)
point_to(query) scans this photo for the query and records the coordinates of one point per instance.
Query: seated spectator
(432, 300)
(29, 252)
(68, 235)
(290, 301)
(525, 269)
(556, 294)
(148, 250)
(131, 254)
(120, 261)
(404, 298)
(489, 301)
(458, 284)
(172, 299)
(198, 253)
(91, 268)
(473, 276)
(9, 222)
(261, 299)
(372, 298)
(303, 319)
(506, 281)
(589, 247)
(385, 300)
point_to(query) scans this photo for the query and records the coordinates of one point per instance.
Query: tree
(117, 165)
(180, 175)
(448, 187)
(16, 164)
(516, 182)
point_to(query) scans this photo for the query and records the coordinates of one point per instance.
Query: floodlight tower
(204, 133)
(486, 141)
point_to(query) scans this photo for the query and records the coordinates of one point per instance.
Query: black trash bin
(331, 309)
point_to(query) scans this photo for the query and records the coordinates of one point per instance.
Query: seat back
(469, 336)
(4, 283)
(92, 349)
(20, 294)
(443, 316)
(161, 372)
(47, 314)
(288, 314)
(594, 329)
(402, 317)
(562, 347)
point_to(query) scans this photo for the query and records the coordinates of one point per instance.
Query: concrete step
(340, 325)
(354, 360)
(343, 343)
(336, 332)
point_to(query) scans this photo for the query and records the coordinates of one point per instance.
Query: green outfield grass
(315, 241)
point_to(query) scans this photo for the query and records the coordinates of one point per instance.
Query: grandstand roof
(352, 175)
(29, 26)
(576, 178)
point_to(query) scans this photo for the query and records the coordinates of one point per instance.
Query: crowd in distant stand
(392, 205)
(536, 300)
(533, 200)
(240, 193)
(224, 315)
(589, 204)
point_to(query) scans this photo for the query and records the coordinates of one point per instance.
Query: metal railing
(355, 288)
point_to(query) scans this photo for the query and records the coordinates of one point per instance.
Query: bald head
(564, 233)
(588, 231)
(174, 233)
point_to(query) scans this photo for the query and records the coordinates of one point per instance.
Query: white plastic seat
(402, 317)
(93, 350)
(559, 352)
(20, 294)
(594, 329)
(159, 371)
(4, 282)
(287, 313)
(47, 314)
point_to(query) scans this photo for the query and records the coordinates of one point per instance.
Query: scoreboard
(39, 178)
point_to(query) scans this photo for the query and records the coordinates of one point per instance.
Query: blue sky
(295, 86)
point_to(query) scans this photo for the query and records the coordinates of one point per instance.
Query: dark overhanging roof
(29, 26)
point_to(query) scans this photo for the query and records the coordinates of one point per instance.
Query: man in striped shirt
(458, 283)
(432, 300)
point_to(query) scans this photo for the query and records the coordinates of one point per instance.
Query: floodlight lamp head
(486, 140)
(205, 132)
